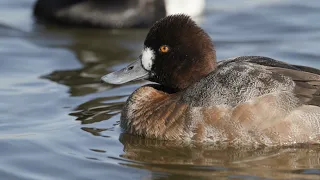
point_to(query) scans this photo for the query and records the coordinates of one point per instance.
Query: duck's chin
(162, 88)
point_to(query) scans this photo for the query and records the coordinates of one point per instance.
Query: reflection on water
(96, 50)
(96, 110)
(58, 121)
(205, 161)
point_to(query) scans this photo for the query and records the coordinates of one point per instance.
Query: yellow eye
(164, 49)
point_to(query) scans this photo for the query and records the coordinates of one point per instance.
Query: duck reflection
(97, 110)
(96, 50)
(174, 159)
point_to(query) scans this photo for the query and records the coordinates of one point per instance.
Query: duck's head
(176, 53)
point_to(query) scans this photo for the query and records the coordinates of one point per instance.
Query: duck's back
(240, 79)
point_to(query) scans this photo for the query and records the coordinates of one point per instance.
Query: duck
(240, 101)
(112, 13)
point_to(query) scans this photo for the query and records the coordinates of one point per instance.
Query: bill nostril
(130, 68)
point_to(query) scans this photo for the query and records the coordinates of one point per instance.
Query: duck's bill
(133, 71)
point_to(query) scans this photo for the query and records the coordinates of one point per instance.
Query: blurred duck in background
(113, 13)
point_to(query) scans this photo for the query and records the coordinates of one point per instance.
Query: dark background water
(57, 121)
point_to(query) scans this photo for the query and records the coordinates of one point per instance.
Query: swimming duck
(113, 13)
(247, 100)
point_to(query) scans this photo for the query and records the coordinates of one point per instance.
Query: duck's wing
(307, 84)
(308, 69)
(307, 79)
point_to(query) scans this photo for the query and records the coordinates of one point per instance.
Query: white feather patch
(190, 7)
(147, 58)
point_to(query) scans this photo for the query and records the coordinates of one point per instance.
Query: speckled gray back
(235, 81)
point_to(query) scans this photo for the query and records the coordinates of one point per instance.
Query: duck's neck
(190, 76)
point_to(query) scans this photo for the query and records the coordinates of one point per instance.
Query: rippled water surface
(57, 121)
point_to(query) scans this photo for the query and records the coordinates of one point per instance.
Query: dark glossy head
(176, 53)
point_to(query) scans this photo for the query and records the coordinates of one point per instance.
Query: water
(57, 121)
